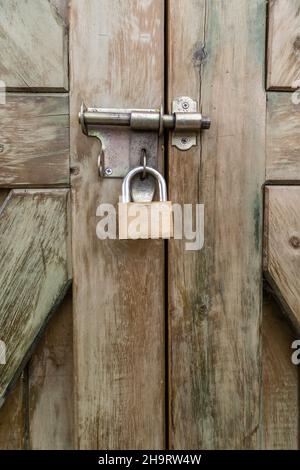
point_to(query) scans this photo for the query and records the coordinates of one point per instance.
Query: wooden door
(154, 346)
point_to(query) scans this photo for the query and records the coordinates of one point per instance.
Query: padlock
(145, 219)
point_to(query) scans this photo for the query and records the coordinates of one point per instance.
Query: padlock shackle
(126, 197)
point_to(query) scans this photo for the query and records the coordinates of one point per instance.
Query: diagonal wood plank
(12, 413)
(34, 140)
(34, 44)
(34, 271)
(118, 286)
(3, 195)
(216, 56)
(282, 247)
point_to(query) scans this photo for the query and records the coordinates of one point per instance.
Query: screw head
(295, 242)
(108, 171)
(185, 105)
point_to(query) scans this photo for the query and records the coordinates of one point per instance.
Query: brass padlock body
(145, 220)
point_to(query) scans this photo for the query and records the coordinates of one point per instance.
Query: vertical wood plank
(118, 287)
(13, 418)
(50, 384)
(280, 403)
(283, 44)
(216, 55)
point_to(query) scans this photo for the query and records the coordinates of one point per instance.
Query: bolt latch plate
(140, 130)
(183, 139)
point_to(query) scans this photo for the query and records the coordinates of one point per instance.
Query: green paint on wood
(34, 272)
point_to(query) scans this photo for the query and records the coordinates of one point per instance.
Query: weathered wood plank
(280, 404)
(214, 294)
(118, 286)
(3, 195)
(283, 146)
(13, 418)
(34, 271)
(34, 44)
(283, 44)
(282, 246)
(12, 413)
(50, 388)
(34, 141)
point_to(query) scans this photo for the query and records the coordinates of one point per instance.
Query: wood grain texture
(12, 413)
(13, 418)
(282, 246)
(284, 44)
(3, 195)
(283, 128)
(215, 293)
(50, 386)
(34, 141)
(34, 44)
(280, 404)
(34, 271)
(118, 286)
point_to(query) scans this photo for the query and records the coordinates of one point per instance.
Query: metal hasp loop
(144, 162)
(126, 195)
